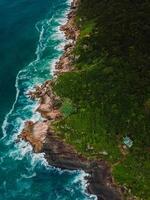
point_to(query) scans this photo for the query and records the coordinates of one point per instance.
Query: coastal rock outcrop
(35, 133)
(60, 154)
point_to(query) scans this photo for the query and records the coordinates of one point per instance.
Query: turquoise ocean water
(30, 44)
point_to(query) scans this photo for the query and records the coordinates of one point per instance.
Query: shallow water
(31, 42)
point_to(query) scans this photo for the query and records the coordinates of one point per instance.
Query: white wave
(5, 123)
(82, 179)
(39, 159)
(52, 64)
(21, 150)
(42, 45)
(69, 2)
(39, 47)
(24, 149)
(28, 176)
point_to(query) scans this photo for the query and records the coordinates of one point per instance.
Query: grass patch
(67, 108)
(86, 131)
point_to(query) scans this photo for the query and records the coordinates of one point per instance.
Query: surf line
(39, 50)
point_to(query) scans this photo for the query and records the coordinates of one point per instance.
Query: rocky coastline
(43, 138)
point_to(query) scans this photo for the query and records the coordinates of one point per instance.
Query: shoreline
(44, 139)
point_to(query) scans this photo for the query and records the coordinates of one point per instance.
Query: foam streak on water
(30, 76)
(33, 171)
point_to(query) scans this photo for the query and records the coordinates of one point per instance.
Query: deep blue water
(30, 44)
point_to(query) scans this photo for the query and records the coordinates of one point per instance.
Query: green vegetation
(67, 108)
(111, 89)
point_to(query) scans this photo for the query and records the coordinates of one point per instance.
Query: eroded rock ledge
(42, 137)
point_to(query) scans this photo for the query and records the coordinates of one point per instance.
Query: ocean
(30, 44)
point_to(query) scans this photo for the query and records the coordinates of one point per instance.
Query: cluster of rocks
(71, 32)
(35, 133)
(70, 29)
(65, 63)
(49, 103)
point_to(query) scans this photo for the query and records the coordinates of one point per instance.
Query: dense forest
(107, 96)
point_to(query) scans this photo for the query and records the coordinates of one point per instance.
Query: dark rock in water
(98, 183)
(62, 155)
